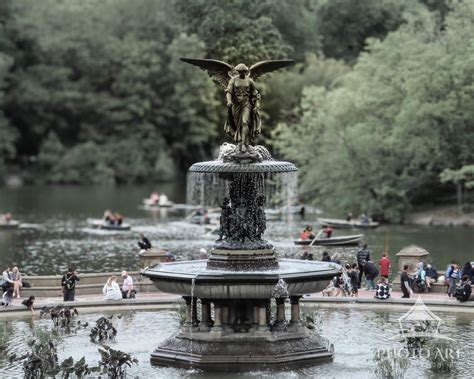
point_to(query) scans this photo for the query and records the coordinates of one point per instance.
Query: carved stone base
(243, 259)
(239, 352)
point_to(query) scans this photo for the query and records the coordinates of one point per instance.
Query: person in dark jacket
(68, 283)
(468, 270)
(144, 242)
(464, 291)
(405, 282)
(371, 272)
(431, 275)
(362, 255)
(326, 257)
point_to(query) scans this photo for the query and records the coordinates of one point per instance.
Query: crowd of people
(458, 282)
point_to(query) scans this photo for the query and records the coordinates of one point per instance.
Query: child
(29, 303)
(7, 297)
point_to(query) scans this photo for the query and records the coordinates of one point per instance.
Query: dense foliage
(377, 106)
(383, 134)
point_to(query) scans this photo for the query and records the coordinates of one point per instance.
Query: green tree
(345, 25)
(377, 142)
(462, 178)
(234, 31)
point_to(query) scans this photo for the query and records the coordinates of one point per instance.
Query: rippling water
(355, 334)
(55, 232)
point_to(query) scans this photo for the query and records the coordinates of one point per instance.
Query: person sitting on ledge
(382, 290)
(463, 292)
(431, 274)
(144, 242)
(111, 289)
(127, 286)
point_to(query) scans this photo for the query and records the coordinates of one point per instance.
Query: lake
(55, 233)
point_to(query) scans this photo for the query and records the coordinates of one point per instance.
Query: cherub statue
(242, 97)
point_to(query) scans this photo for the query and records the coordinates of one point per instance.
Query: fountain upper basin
(301, 277)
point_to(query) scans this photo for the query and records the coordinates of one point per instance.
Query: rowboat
(12, 224)
(333, 241)
(149, 204)
(343, 224)
(101, 224)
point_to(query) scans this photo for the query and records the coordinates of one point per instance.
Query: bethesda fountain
(236, 301)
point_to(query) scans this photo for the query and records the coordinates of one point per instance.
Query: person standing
(453, 275)
(68, 283)
(127, 286)
(371, 272)
(384, 264)
(405, 282)
(363, 256)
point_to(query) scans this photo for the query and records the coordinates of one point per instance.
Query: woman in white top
(17, 281)
(111, 289)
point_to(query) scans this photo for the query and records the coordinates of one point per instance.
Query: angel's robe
(243, 120)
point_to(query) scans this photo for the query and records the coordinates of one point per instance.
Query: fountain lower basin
(301, 277)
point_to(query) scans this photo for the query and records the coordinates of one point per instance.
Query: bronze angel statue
(242, 97)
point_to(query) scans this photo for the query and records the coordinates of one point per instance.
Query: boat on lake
(344, 224)
(12, 224)
(150, 204)
(102, 224)
(332, 241)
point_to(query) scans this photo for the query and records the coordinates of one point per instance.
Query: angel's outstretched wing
(264, 67)
(219, 71)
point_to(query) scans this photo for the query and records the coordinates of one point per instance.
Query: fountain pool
(355, 334)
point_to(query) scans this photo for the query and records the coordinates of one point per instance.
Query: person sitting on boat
(349, 217)
(107, 215)
(364, 219)
(305, 256)
(118, 219)
(155, 198)
(307, 233)
(326, 257)
(144, 242)
(6, 218)
(328, 231)
(163, 200)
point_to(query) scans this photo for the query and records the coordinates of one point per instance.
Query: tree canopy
(378, 105)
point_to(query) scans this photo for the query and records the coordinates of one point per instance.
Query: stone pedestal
(410, 256)
(151, 257)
